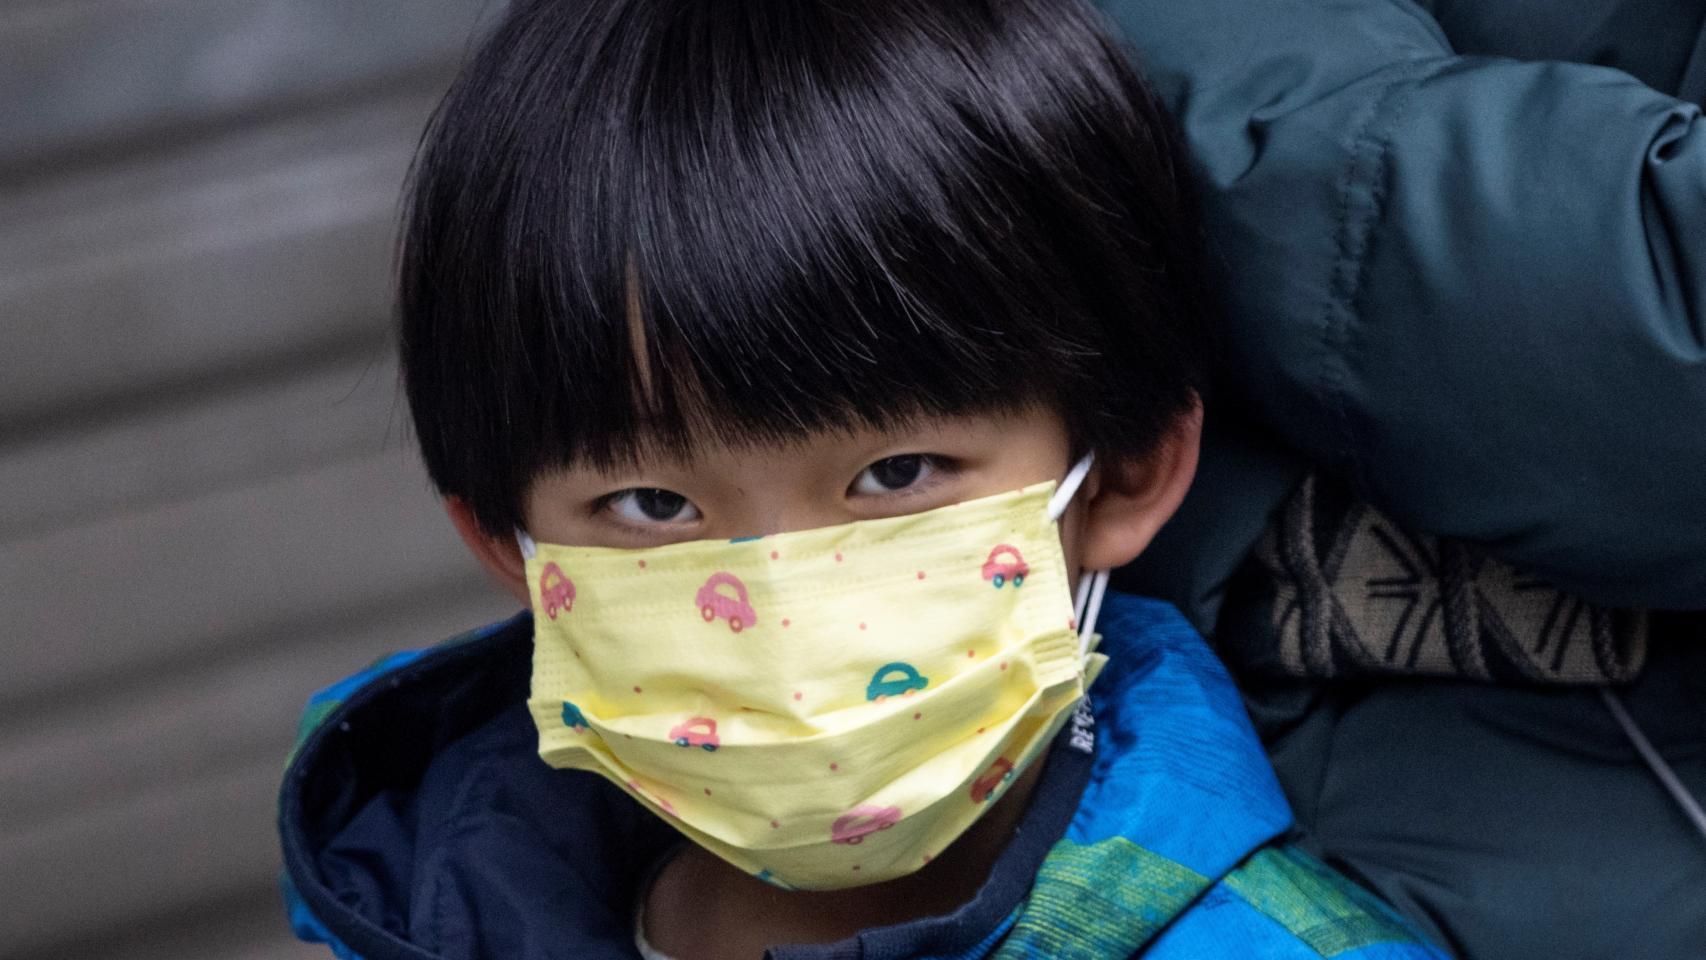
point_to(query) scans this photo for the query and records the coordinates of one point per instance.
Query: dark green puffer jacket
(1461, 271)
(1462, 247)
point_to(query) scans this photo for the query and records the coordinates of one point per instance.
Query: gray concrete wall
(209, 504)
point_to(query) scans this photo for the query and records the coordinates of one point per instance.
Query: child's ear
(1131, 500)
(499, 555)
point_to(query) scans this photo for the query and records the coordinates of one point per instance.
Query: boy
(797, 363)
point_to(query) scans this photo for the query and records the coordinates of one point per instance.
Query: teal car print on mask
(573, 718)
(895, 680)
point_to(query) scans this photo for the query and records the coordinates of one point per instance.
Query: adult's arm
(1476, 286)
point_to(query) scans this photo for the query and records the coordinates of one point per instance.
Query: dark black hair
(649, 221)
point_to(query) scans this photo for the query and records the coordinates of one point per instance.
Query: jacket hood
(418, 822)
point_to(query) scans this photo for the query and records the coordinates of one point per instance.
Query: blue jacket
(418, 822)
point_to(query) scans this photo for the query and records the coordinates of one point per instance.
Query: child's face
(824, 479)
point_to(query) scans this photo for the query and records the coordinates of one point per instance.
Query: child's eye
(892, 474)
(651, 505)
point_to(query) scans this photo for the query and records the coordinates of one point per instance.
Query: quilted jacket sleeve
(1476, 286)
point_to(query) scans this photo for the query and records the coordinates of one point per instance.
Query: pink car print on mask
(862, 821)
(724, 596)
(556, 591)
(663, 804)
(984, 787)
(696, 732)
(1005, 564)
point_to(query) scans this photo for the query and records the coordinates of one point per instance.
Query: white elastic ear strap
(1081, 599)
(529, 549)
(1087, 605)
(1074, 479)
(1098, 584)
(1672, 783)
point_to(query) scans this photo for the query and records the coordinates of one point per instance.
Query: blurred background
(209, 502)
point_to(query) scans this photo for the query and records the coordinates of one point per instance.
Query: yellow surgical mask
(821, 708)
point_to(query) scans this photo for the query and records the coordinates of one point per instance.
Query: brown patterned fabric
(1336, 589)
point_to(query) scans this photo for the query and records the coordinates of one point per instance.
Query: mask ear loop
(1087, 626)
(1087, 606)
(1068, 488)
(529, 549)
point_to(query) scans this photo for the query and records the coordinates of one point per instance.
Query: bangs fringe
(653, 224)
